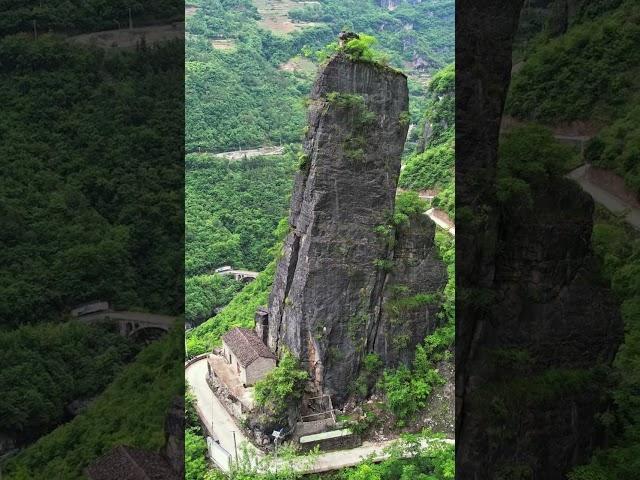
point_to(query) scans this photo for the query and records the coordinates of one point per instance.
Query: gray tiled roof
(246, 346)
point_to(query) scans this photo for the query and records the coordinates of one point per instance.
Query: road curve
(211, 411)
(611, 202)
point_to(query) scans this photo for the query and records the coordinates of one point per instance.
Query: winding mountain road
(605, 198)
(131, 37)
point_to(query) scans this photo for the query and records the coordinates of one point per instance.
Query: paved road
(441, 219)
(139, 317)
(213, 413)
(256, 152)
(129, 38)
(606, 199)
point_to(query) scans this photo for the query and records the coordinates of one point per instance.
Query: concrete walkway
(611, 202)
(222, 424)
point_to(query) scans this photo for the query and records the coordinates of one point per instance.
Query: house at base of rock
(247, 354)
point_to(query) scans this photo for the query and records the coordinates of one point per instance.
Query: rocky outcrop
(173, 449)
(552, 327)
(417, 270)
(328, 299)
(535, 328)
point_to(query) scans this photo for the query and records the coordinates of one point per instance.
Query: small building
(247, 354)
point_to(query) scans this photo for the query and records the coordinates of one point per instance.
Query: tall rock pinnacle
(327, 302)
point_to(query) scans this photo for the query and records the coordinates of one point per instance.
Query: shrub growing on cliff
(407, 390)
(356, 49)
(528, 157)
(407, 204)
(282, 386)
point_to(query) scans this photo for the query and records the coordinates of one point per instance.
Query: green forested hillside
(47, 366)
(239, 312)
(91, 208)
(433, 166)
(412, 30)
(589, 74)
(238, 96)
(232, 208)
(131, 411)
(92, 205)
(206, 293)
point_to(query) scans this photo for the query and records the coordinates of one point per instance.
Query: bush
(528, 157)
(281, 387)
(413, 457)
(407, 390)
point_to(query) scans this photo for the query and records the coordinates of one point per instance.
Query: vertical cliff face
(326, 305)
(416, 273)
(535, 327)
(553, 328)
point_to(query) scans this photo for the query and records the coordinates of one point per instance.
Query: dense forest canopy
(92, 208)
(46, 367)
(232, 208)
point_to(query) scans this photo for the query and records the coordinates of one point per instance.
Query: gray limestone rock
(326, 304)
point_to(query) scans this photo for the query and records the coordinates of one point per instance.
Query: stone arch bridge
(137, 325)
(244, 276)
